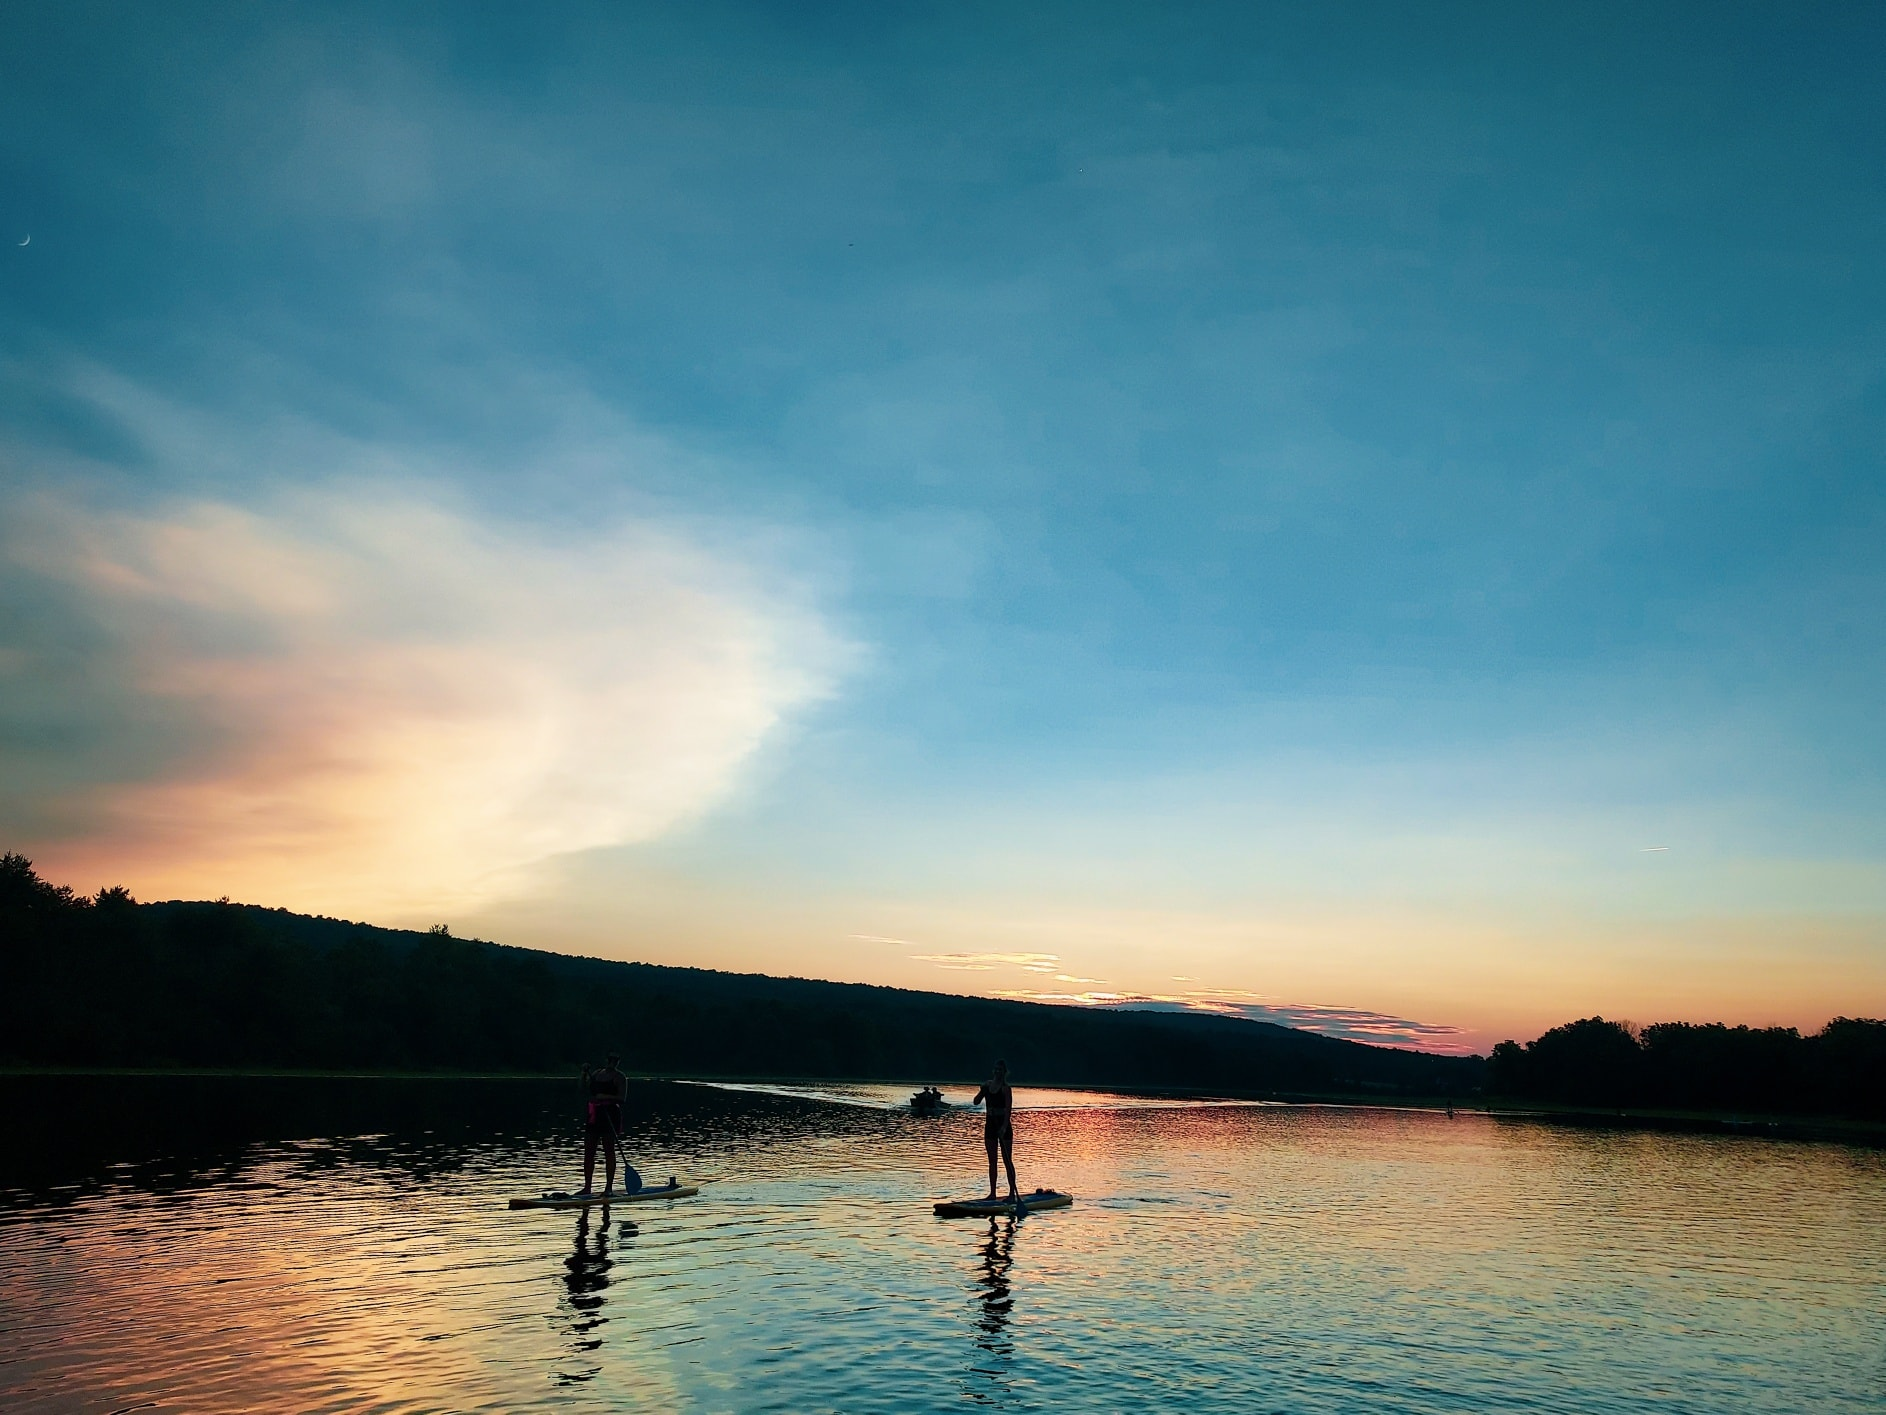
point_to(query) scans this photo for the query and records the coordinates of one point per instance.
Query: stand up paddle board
(1027, 1204)
(604, 1200)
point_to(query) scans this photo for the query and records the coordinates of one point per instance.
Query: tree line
(1840, 1070)
(109, 982)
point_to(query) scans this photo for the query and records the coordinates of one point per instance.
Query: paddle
(629, 1171)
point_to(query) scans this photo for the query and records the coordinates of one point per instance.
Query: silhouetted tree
(1690, 1066)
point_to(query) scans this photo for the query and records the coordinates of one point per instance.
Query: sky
(1358, 515)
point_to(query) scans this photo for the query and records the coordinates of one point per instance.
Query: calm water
(299, 1246)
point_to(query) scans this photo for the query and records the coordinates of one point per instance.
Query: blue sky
(1269, 507)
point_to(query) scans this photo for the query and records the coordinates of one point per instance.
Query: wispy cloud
(397, 702)
(879, 938)
(1353, 1023)
(988, 962)
(1349, 1023)
(1079, 999)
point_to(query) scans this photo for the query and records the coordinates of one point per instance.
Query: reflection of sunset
(1222, 1258)
(327, 1283)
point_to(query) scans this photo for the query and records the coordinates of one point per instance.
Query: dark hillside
(109, 982)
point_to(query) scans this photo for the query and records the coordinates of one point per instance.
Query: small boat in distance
(928, 1101)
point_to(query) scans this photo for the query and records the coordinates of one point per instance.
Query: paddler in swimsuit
(602, 1125)
(998, 1126)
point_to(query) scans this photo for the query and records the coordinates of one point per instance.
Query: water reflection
(996, 1299)
(180, 1134)
(586, 1279)
(311, 1245)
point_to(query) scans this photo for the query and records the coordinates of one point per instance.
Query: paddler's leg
(592, 1135)
(1008, 1158)
(990, 1140)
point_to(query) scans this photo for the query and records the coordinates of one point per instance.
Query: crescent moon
(28, 241)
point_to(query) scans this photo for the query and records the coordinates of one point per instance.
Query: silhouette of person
(998, 1128)
(602, 1125)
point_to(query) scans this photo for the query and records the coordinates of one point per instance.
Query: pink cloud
(1347, 1023)
(401, 706)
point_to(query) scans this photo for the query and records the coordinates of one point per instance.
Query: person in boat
(605, 1086)
(998, 1126)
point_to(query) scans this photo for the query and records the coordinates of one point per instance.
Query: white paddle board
(617, 1196)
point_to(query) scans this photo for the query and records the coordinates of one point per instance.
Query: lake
(211, 1245)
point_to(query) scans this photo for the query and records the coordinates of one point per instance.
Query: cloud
(400, 704)
(1079, 999)
(878, 938)
(988, 962)
(1351, 1023)
(1348, 1023)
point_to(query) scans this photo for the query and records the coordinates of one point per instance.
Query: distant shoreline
(1702, 1122)
(1347, 1098)
(1783, 1127)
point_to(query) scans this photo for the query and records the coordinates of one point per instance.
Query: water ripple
(1219, 1259)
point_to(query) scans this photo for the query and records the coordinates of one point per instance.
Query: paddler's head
(1001, 1070)
(614, 1057)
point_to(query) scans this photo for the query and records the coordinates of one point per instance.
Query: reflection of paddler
(998, 1125)
(588, 1273)
(602, 1125)
(998, 1255)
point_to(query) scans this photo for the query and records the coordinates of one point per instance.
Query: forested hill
(110, 982)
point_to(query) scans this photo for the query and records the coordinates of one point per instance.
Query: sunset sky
(1368, 516)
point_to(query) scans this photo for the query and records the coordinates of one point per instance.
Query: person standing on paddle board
(998, 1126)
(602, 1125)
